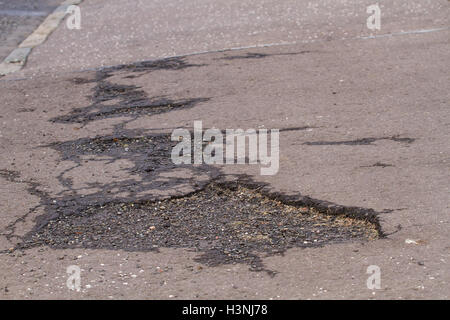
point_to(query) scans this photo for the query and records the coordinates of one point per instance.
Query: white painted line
(17, 59)
(47, 26)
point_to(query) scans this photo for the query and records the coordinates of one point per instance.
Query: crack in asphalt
(363, 141)
(224, 221)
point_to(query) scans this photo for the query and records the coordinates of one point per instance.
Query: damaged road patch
(360, 142)
(225, 223)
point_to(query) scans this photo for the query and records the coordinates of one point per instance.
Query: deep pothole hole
(225, 225)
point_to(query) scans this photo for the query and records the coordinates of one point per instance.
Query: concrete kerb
(18, 57)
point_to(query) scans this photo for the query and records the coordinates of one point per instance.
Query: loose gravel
(226, 225)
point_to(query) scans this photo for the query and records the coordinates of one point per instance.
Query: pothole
(225, 224)
(127, 100)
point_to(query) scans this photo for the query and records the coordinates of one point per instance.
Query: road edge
(18, 57)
